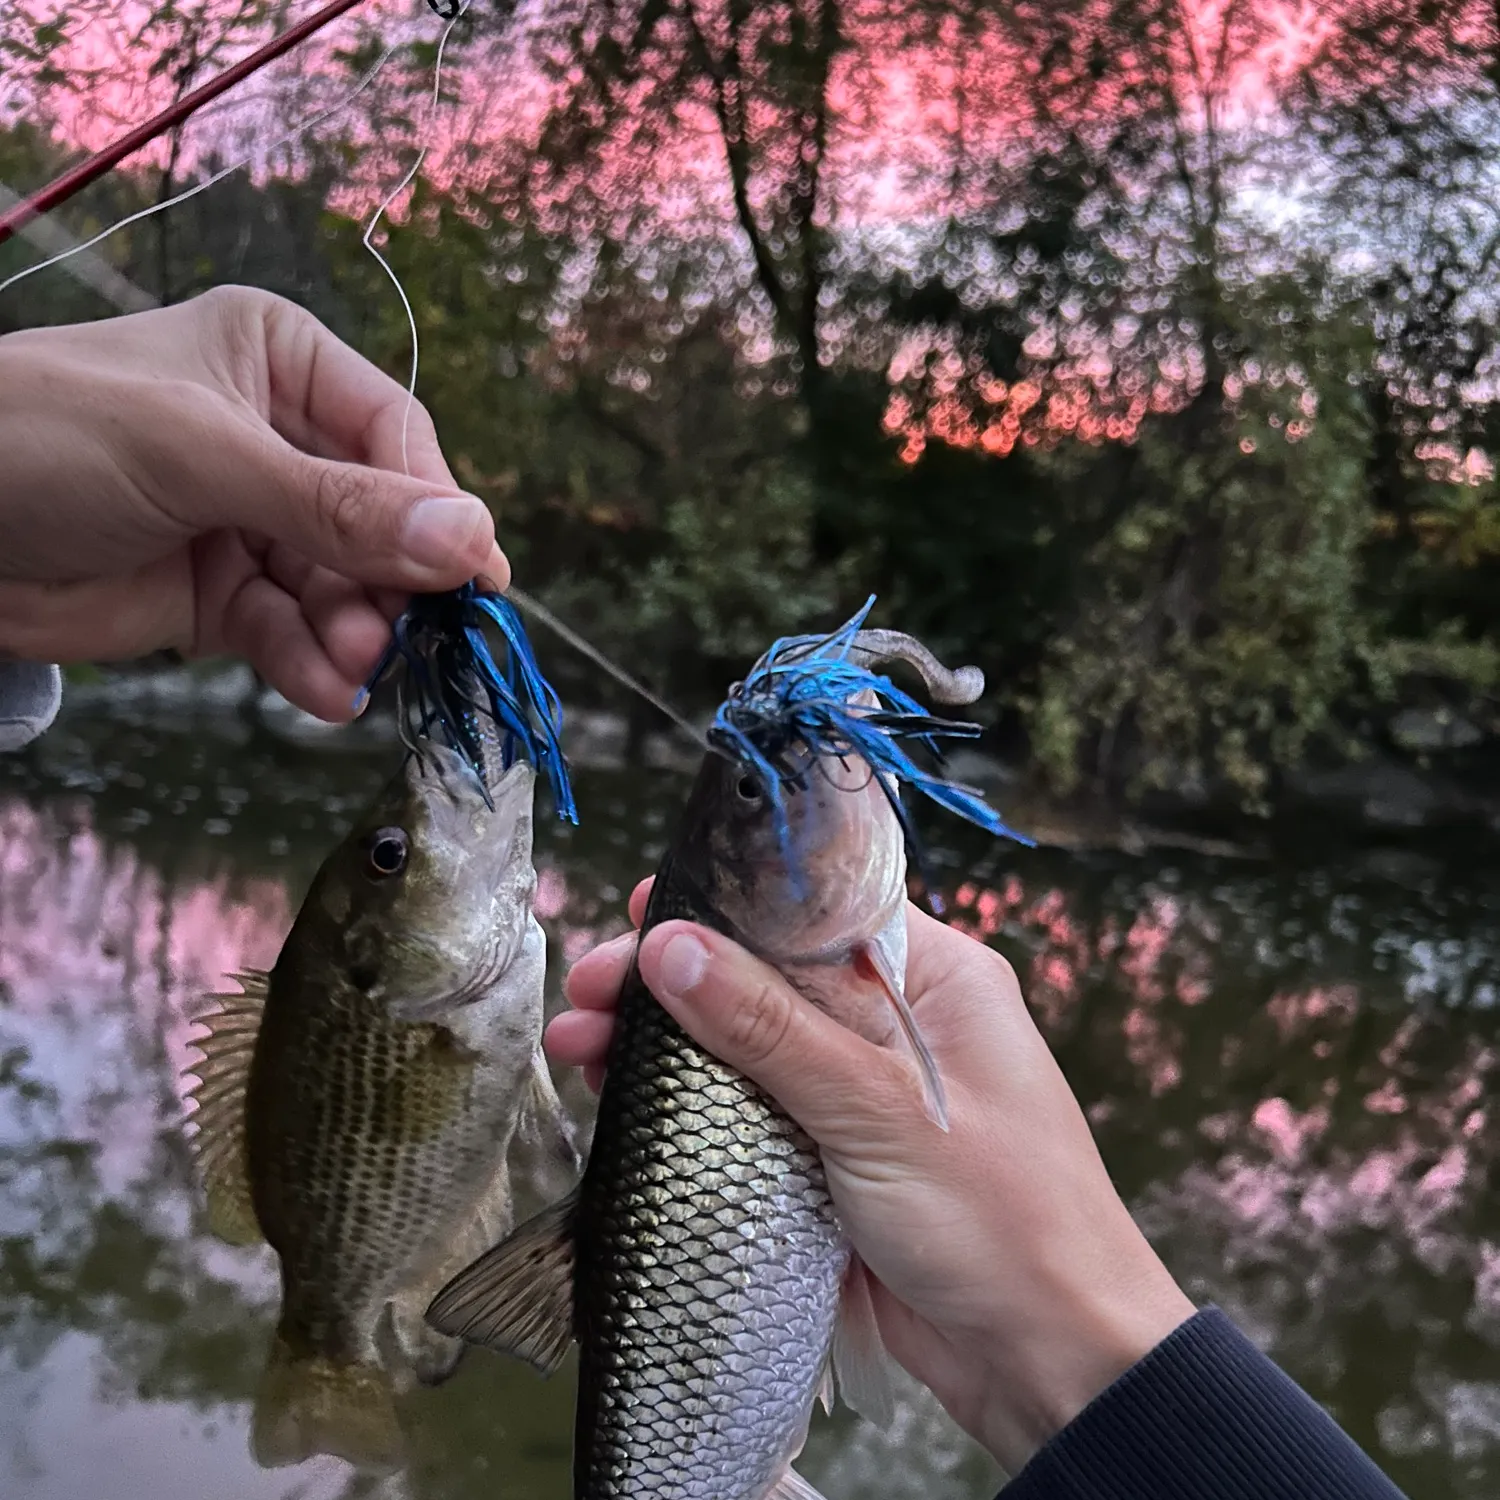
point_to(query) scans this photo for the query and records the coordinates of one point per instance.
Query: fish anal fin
(859, 1357)
(883, 959)
(792, 1486)
(311, 1406)
(229, 1027)
(518, 1297)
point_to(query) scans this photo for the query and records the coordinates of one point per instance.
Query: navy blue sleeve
(1204, 1416)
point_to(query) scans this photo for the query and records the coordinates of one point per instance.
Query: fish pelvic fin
(518, 1297)
(792, 1486)
(543, 1119)
(309, 1405)
(859, 1357)
(883, 959)
(226, 1044)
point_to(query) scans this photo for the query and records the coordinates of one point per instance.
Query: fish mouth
(462, 784)
(486, 828)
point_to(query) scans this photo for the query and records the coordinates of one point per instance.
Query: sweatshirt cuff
(1204, 1416)
(30, 693)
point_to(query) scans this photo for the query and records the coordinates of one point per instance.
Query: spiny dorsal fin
(518, 1297)
(230, 1028)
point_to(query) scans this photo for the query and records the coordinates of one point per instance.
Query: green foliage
(1223, 624)
(1201, 491)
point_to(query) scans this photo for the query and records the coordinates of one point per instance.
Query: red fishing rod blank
(60, 189)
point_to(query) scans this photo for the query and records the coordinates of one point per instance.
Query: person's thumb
(381, 528)
(835, 1084)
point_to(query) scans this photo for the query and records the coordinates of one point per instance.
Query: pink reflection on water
(103, 959)
(551, 893)
(1286, 1129)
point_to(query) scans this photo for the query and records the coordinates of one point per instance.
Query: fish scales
(700, 1266)
(332, 1068)
(709, 1266)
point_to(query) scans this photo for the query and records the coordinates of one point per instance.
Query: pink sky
(892, 165)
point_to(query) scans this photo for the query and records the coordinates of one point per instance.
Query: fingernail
(684, 962)
(440, 530)
(361, 698)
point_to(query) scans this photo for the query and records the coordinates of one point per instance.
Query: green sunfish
(355, 1106)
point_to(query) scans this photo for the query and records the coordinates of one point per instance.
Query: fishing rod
(20, 213)
(75, 179)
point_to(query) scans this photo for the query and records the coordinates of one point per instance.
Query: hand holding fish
(222, 475)
(1006, 1273)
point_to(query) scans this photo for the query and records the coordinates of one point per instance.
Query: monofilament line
(375, 218)
(202, 187)
(595, 655)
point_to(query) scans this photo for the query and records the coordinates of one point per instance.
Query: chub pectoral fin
(222, 1074)
(518, 1297)
(875, 961)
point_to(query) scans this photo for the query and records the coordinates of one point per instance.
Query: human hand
(1006, 1273)
(223, 475)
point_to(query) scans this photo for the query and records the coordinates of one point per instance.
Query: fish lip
(461, 781)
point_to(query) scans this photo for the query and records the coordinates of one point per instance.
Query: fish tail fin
(308, 1405)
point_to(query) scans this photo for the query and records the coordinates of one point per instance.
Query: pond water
(1290, 1070)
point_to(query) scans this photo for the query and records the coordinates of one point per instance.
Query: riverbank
(1435, 779)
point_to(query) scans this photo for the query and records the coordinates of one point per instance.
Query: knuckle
(759, 1023)
(242, 301)
(341, 498)
(232, 308)
(1002, 970)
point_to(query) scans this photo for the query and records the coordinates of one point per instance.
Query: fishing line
(595, 655)
(453, 11)
(401, 187)
(330, 113)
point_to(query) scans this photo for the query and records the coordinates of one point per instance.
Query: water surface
(1289, 1069)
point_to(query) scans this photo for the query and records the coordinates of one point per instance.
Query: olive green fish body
(373, 1143)
(356, 1105)
(709, 1267)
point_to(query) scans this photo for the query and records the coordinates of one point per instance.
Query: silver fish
(700, 1265)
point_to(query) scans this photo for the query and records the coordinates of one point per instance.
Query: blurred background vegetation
(1142, 351)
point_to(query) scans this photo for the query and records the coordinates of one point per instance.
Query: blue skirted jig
(452, 677)
(796, 703)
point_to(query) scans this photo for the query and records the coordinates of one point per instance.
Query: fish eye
(747, 789)
(386, 853)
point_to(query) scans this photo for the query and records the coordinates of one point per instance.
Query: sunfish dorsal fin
(518, 1297)
(223, 1071)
